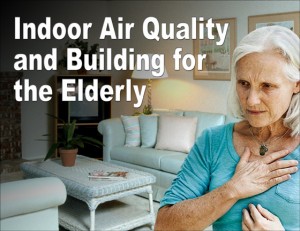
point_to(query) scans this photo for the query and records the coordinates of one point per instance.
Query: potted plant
(68, 143)
(85, 49)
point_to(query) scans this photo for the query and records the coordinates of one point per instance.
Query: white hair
(270, 38)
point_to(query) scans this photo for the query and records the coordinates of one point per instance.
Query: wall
(10, 119)
(177, 91)
(34, 120)
(180, 90)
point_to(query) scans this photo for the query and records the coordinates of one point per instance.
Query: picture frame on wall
(217, 63)
(289, 20)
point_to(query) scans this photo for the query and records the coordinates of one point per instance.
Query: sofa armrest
(31, 195)
(113, 135)
(231, 119)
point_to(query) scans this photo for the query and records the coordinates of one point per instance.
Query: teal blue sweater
(212, 162)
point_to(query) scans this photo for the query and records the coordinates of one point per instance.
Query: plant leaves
(78, 142)
(92, 141)
(70, 130)
(52, 150)
(68, 140)
(55, 117)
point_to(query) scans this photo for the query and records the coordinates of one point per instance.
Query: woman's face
(263, 90)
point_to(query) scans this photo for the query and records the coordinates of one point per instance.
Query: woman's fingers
(277, 180)
(282, 164)
(265, 213)
(283, 171)
(247, 220)
(245, 156)
(244, 227)
(255, 214)
(259, 218)
(254, 177)
(280, 171)
(275, 156)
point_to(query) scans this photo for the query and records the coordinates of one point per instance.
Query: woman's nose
(253, 98)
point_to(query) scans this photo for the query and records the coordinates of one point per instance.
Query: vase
(68, 156)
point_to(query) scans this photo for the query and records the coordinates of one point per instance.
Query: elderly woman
(244, 176)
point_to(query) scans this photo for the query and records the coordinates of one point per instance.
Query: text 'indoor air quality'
(104, 60)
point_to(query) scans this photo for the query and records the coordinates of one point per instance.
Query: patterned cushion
(132, 130)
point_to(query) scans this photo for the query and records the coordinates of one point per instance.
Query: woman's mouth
(255, 112)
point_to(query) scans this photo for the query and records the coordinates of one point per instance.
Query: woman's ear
(297, 88)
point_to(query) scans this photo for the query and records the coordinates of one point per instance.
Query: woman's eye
(243, 83)
(266, 85)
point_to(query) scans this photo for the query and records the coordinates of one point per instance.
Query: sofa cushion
(147, 157)
(148, 126)
(231, 119)
(132, 130)
(205, 120)
(172, 164)
(176, 133)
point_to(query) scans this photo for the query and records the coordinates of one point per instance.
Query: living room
(179, 91)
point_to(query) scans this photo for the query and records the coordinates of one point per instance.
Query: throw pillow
(148, 126)
(176, 133)
(132, 130)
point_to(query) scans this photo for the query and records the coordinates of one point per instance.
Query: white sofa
(31, 204)
(164, 164)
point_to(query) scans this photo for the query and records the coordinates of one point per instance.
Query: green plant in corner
(68, 139)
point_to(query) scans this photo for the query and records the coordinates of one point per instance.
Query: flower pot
(68, 156)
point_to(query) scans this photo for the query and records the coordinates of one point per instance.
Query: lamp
(143, 73)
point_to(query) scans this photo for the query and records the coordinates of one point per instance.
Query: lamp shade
(143, 73)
